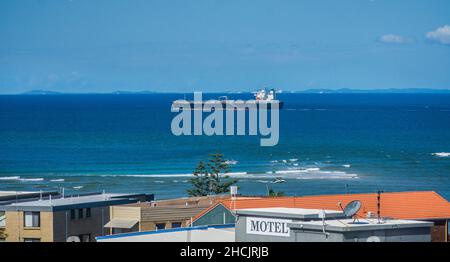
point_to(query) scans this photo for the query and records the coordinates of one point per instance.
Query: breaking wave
(312, 173)
(10, 178)
(441, 154)
(18, 178)
(291, 173)
(31, 179)
(150, 175)
(57, 180)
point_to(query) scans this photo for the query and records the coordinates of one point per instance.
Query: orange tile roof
(400, 205)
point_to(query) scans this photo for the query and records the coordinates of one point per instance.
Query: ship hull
(268, 105)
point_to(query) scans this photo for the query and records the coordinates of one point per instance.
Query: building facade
(8, 197)
(157, 215)
(311, 225)
(427, 206)
(220, 233)
(77, 218)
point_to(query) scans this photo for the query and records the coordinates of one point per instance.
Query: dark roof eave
(111, 202)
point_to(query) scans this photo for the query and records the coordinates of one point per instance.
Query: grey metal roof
(82, 201)
(290, 213)
(347, 225)
(7, 197)
(170, 213)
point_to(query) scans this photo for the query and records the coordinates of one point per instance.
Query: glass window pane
(176, 224)
(36, 219)
(160, 226)
(28, 219)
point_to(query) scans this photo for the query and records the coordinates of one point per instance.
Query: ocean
(329, 144)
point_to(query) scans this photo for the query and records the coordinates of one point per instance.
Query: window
(72, 214)
(32, 219)
(31, 240)
(176, 224)
(88, 212)
(80, 213)
(2, 219)
(117, 230)
(160, 226)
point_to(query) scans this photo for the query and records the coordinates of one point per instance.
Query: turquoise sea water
(329, 143)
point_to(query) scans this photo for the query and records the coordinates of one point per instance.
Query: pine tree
(200, 182)
(273, 193)
(218, 169)
(211, 178)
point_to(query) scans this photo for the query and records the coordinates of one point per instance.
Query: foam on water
(289, 173)
(312, 173)
(149, 175)
(10, 178)
(441, 154)
(57, 180)
(31, 179)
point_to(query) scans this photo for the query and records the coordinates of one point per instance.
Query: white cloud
(394, 39)
(440, 35)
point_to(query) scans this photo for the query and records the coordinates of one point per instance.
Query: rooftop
(346, 225)
(7, 197)
(293, 213)
(165, 213)
(212, 233)
(189, 201)
(14, 193)
(424, 205)
(81, 201)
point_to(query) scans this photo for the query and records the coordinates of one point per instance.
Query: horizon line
(312, 90)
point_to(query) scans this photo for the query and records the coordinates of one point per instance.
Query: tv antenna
(379, 206)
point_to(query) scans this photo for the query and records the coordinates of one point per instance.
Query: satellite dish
(352, 208)
(73, 239)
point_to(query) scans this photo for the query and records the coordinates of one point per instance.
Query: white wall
(194, 235)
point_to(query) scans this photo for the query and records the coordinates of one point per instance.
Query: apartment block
(66, 218)
(157, 215)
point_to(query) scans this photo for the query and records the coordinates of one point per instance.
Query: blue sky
(223, 45)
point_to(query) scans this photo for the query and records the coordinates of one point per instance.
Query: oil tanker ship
(268, 97)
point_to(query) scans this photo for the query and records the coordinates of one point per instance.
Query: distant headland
(306, 91)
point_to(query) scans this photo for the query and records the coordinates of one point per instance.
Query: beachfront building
(314, 225)
(425, 206)
(8, 197)
(157, 215)
(217, 233)
(61, 219)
